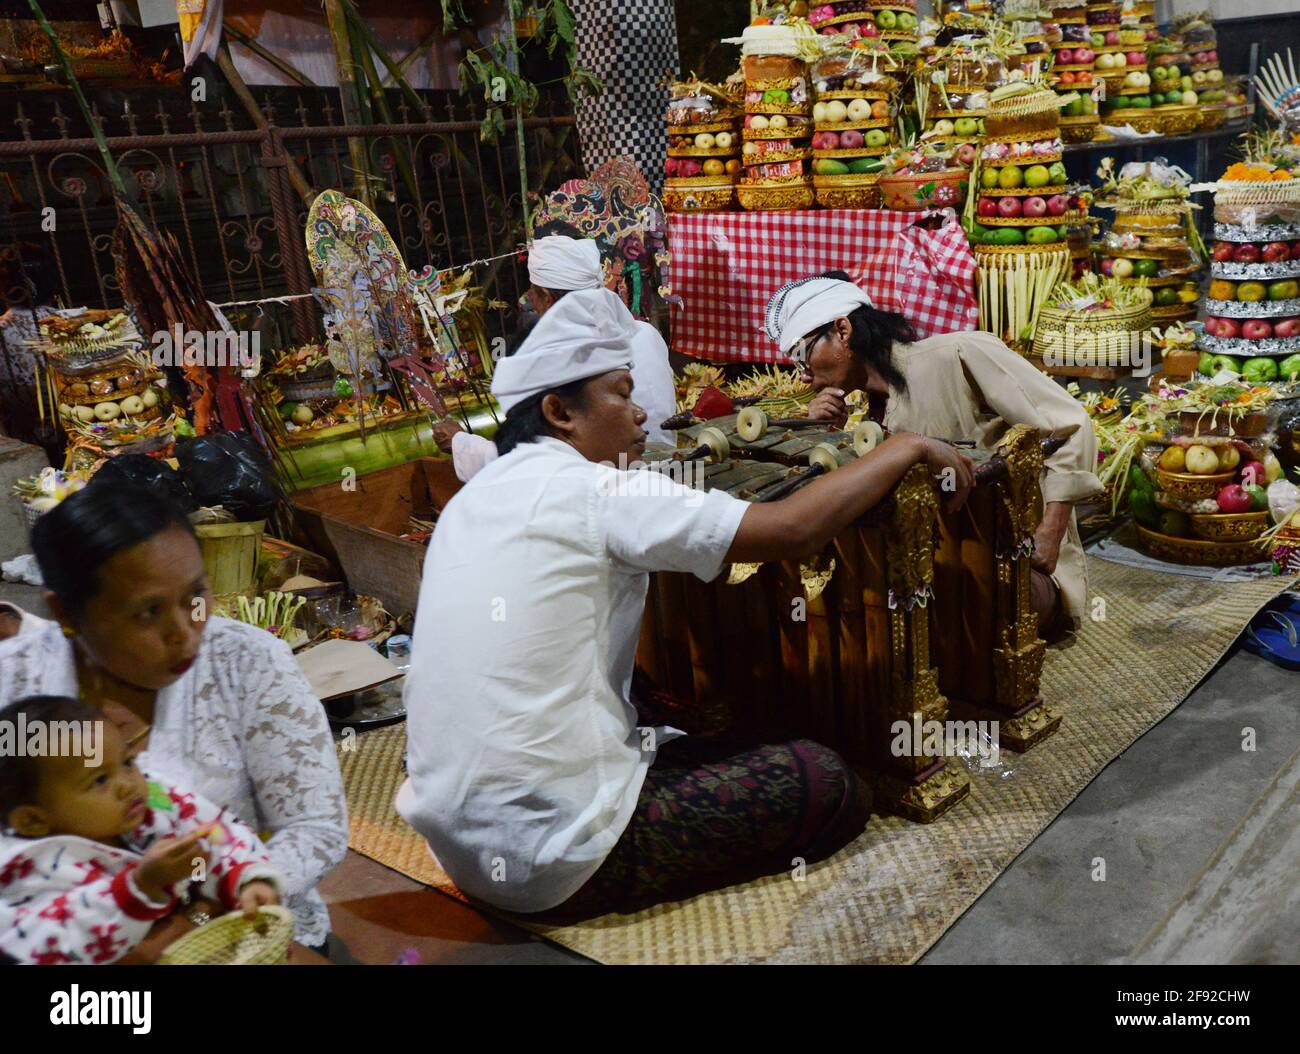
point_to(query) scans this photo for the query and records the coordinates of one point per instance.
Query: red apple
(1065, 57)
(1057, 205)
(850, 139)
(1223, 251)
(1254, 471)
(1212, 55)
(1234, 498)
(1276, 251)
(1212, 325)
(688, 168)
(1009, 207)
(1198, 57)
(867, 29)
(1106, 266)
(1033, 207)
(1112, 37)
(987, 207)
(1082, 56)
(966, 154)
(827, 141)
(1246, 253)
(1257, 329)
(1136, 58)
(1228, 327)
(1295, 250)
(670, 166)
(1287, 327)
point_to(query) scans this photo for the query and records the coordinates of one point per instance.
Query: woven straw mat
(890, 894)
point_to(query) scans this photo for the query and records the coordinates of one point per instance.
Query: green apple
(1037, 176)
(1186, 83)
(1073, 109)
(1286, 290)
(989, 178)
(965, 126)
(886, 20)
(906, 20)
(876, 137)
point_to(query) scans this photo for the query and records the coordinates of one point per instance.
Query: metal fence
(222, 186)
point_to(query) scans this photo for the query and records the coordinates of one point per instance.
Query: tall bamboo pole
(515, 9)
(341, 39)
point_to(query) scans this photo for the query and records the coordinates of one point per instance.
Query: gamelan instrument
(984, 635)
(838, 649)
(835, 649)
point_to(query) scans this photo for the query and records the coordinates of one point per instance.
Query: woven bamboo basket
(1103, 338)
(1281, 192)
(233, 940)
(230, 553)
(1229, 527)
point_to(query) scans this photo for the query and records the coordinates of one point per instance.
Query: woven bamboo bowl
(854, 191)
(1188, 487)
(772, 198)
(1178, 120)
(1197, 552)
(924, 190)
(1081, 129)
(1229, 526)
(232, 940)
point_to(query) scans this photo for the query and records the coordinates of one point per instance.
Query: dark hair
(873, 336)
(525, 423)
(79, 535)
(20, 774)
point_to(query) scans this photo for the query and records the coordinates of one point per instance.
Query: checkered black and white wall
(630, 45)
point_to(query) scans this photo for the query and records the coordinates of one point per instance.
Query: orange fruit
(1281, 173)
(1220, 289)
(879, 109)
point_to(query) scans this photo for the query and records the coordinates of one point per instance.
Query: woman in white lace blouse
(216, 704)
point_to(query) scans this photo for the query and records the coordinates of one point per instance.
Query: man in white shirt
(557, 266)
(529, 775)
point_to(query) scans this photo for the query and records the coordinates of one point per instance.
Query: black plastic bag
(229, 469)
(157, 477)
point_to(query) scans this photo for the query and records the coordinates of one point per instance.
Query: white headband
(798, 308)
(557, 262)
(589, 332)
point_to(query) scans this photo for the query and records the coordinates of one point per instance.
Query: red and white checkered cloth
(725, 266)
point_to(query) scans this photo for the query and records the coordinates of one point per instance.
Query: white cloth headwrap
(798, 308)
(589, 332)
(557, 262)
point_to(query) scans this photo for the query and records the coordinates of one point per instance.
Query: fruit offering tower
(1023, 211)
(1027, 22)
(952, 92)
(1072, 71)
(887, 20)
(1121, 63)
(1202, 51)
(856, 88)
(704, 143)
(1252, 323)
(1153, 239)
(778, 116)
(1201, 495)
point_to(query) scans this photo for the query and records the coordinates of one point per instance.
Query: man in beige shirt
(959, 386)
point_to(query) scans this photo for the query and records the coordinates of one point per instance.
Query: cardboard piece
(340, 667)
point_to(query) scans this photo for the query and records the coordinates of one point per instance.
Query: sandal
(1275, 635)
